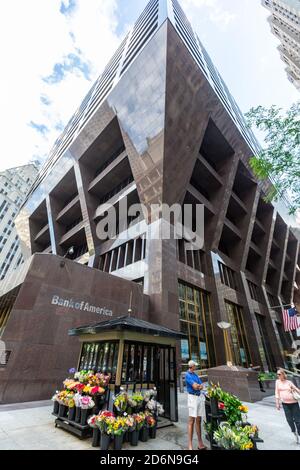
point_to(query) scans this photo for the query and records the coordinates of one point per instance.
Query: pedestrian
(286, 393)
(196, 405)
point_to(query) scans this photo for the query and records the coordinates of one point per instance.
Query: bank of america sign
(80, 305)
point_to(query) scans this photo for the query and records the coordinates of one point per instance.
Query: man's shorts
(196, 406)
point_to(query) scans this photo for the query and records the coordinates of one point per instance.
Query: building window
(239, 342)
(228, 277)
(196, 323)
(266, 353)
(254, 292)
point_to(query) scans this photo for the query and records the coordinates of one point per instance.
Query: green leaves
(279, 161)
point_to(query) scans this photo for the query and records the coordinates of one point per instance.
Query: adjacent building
(15, 184)
(158, 126)
(285, 25)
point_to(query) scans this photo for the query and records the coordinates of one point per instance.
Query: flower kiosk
(125, 386)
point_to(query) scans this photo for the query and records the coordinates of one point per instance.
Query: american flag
(290, 319)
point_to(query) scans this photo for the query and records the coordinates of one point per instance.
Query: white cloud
(217, 12)
(34, 36)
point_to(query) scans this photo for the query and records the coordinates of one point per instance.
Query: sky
(53, 50)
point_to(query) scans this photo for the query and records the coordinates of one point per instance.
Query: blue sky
(53, 50)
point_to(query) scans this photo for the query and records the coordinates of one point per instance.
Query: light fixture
(224, 325)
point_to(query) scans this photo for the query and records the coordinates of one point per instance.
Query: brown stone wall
(37, 331)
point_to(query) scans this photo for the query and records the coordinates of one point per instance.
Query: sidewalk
(31, 426)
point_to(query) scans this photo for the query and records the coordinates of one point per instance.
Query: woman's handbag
(296, 395)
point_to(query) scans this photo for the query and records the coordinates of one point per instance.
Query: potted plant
(139, 420)
(232, 438)
(92, 422)
(71, 406)
(86, 405)
(136, 402)
(117, 429)
(214, 395)
(63, 409)
(105, 421)
(151, 425)
(121, 403)
(77, 401)
(130, 427)
(144, 431)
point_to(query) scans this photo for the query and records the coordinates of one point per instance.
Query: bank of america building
(158, 126)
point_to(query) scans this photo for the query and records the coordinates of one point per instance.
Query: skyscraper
(159, 126)
(285, 25)
(15, 184)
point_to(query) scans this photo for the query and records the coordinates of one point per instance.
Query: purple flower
(72, 371)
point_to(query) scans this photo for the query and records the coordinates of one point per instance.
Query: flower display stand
(77, 429)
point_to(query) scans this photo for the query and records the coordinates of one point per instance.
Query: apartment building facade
(285, 25)
(15, 184)
(158, 126)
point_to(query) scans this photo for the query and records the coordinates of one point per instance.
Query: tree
(279, 161)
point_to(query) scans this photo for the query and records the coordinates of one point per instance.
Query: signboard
(185, 350)
(80, 305)
(203, 351)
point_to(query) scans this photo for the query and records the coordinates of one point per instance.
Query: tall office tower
(15, 184)
(285, 25)
(158, 126)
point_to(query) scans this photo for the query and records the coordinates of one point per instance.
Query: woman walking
(286, 393)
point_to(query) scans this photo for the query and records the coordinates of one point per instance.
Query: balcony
(239, 202)
(41, 235)
(70, 209)
(72, 230)
(209, 168)
(126, 188)
(201, 198)
(255, 248)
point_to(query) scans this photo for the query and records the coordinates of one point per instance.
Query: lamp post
(225, 327)
(70, 252)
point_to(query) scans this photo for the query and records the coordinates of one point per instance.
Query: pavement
(30, 426)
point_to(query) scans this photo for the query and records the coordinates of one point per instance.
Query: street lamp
(70, 252)
(225, 327)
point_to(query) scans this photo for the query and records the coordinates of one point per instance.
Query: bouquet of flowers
(231, 438)
(149, 395)
(97, 391)
(86, 403)
(92, 422)
(251, 431)
(130, 423)
(102, 380)
(121, 402)
(150, 420)
(135, 400)
(104, 421)
(70, 384)
(77, 399)
(140, 420)
(62, 397)
(55, 396)
(117, 426)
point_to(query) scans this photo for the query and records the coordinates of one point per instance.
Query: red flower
(94, 390)
(221, 406)
(79, 387)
